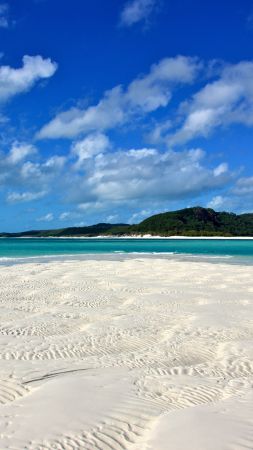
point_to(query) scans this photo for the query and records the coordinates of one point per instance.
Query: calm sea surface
(35, 248)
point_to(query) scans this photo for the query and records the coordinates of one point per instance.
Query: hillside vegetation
(195, 221)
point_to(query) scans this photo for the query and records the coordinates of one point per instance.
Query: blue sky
(115, 110)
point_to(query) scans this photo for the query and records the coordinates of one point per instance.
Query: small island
(196, 222)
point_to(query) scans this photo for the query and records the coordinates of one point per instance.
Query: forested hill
(195, 221)
(89, 231)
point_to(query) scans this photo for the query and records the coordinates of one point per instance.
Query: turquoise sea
(14, 249)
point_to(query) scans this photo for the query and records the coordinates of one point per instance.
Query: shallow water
(16, 248)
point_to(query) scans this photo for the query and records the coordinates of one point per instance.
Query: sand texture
(140, 354)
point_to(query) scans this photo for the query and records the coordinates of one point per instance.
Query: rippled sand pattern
(141, 354)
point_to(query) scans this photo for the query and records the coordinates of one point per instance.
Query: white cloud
(155, 89)
(4, 15)
(15, 81)
(221, 102)
(19, 151)
(244, 186)
(220, 169)
(136, 11)
(11, 163)
(47, 218)
(18, 197)
(143, 95)
(54, 163)
(230, 202)
(100, 181)
(142, 153)
(90, 146)
(25, 175)
(217, 202)
(239, 197)
(41, 172)
(125, 177)
(105, 115)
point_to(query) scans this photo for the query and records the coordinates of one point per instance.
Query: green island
(196, 221)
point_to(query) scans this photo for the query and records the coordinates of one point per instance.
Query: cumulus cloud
(230, 202)
(4, 15)
(243, 186)
(18, 197)
(90, 146)
(145, 175)
(238, 197)
(15, 81)
(143, 95)
(224, 101)
(20, 151)
(136, 11)
(25, 175)
(41, 172)
(96, 178)
(217, 202)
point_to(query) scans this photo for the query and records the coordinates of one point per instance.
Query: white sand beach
(142, 354)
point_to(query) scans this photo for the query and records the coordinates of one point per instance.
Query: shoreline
(146, 236)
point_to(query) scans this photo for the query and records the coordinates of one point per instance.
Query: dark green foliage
(197, 222)
(185, 222)
(89, 231)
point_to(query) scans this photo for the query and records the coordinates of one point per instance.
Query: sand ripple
(118, 355)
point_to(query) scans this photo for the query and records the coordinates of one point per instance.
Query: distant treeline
(195, 221)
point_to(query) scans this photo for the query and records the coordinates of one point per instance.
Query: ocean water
(15, 249)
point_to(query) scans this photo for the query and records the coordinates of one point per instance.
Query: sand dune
(138, 354)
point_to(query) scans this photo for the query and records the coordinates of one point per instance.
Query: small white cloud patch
(18, 197)
(219, 170)
(136, 11)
